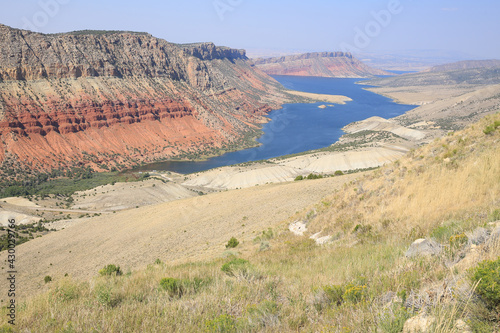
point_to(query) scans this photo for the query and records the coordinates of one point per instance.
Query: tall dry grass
(456, 177)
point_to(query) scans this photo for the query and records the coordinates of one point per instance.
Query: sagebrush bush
(47, 279)
(491, 128)
(180, 287)
(236, 266)
(487, 277)
(110, 270)
(173, 286)
(232, 243)
(334, 294)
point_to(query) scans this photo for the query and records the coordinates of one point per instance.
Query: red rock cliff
(119, 98)
(324, 64)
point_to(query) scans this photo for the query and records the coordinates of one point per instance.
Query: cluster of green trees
(64, 183)
(27, 229)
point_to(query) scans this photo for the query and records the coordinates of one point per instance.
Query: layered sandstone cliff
(324, 64)
(118, 98)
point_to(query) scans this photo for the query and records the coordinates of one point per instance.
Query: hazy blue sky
(472, 27)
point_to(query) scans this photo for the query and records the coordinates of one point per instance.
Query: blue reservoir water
(301, 127)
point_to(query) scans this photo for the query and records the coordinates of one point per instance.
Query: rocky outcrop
(120, 98)
(324, 64)
(208, 51)
(423, 247)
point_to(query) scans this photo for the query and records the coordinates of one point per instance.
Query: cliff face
(324, 64)
(115, 99)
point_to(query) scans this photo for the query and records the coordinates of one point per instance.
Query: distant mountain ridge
(467, 64)
(322, 64)
(472, 76)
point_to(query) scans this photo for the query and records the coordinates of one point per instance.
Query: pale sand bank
(287, 169)
(329, 162)
(380, 124)
(336, 99)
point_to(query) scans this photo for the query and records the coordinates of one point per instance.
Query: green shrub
(487, 277)
(235, 266)
(299, 178)
(334, 294)
(173, 286)
(233, 242)
(47, 279)
(180, 287)
(338, 173)
(221, 324)
(491, 128)
(266, 235)
(111, 270)
(313, 176)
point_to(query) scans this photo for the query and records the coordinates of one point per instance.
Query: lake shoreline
(324, 91)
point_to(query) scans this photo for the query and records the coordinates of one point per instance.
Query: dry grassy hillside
(457, 176)
(189, 229)
(359, 281)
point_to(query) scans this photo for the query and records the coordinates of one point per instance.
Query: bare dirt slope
(130, 195)
(190, 229)
(421, 95)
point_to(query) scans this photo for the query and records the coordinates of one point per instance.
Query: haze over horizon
(381, 26)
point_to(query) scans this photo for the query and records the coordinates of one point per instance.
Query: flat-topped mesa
(311, 55)
(208, 51)
(124, 98)
(27, 55)
(324, 64)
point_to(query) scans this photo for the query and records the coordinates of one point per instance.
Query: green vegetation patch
(487, 277)
(232, 243)
(110, 270)
(23, 233)
(65, 184)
